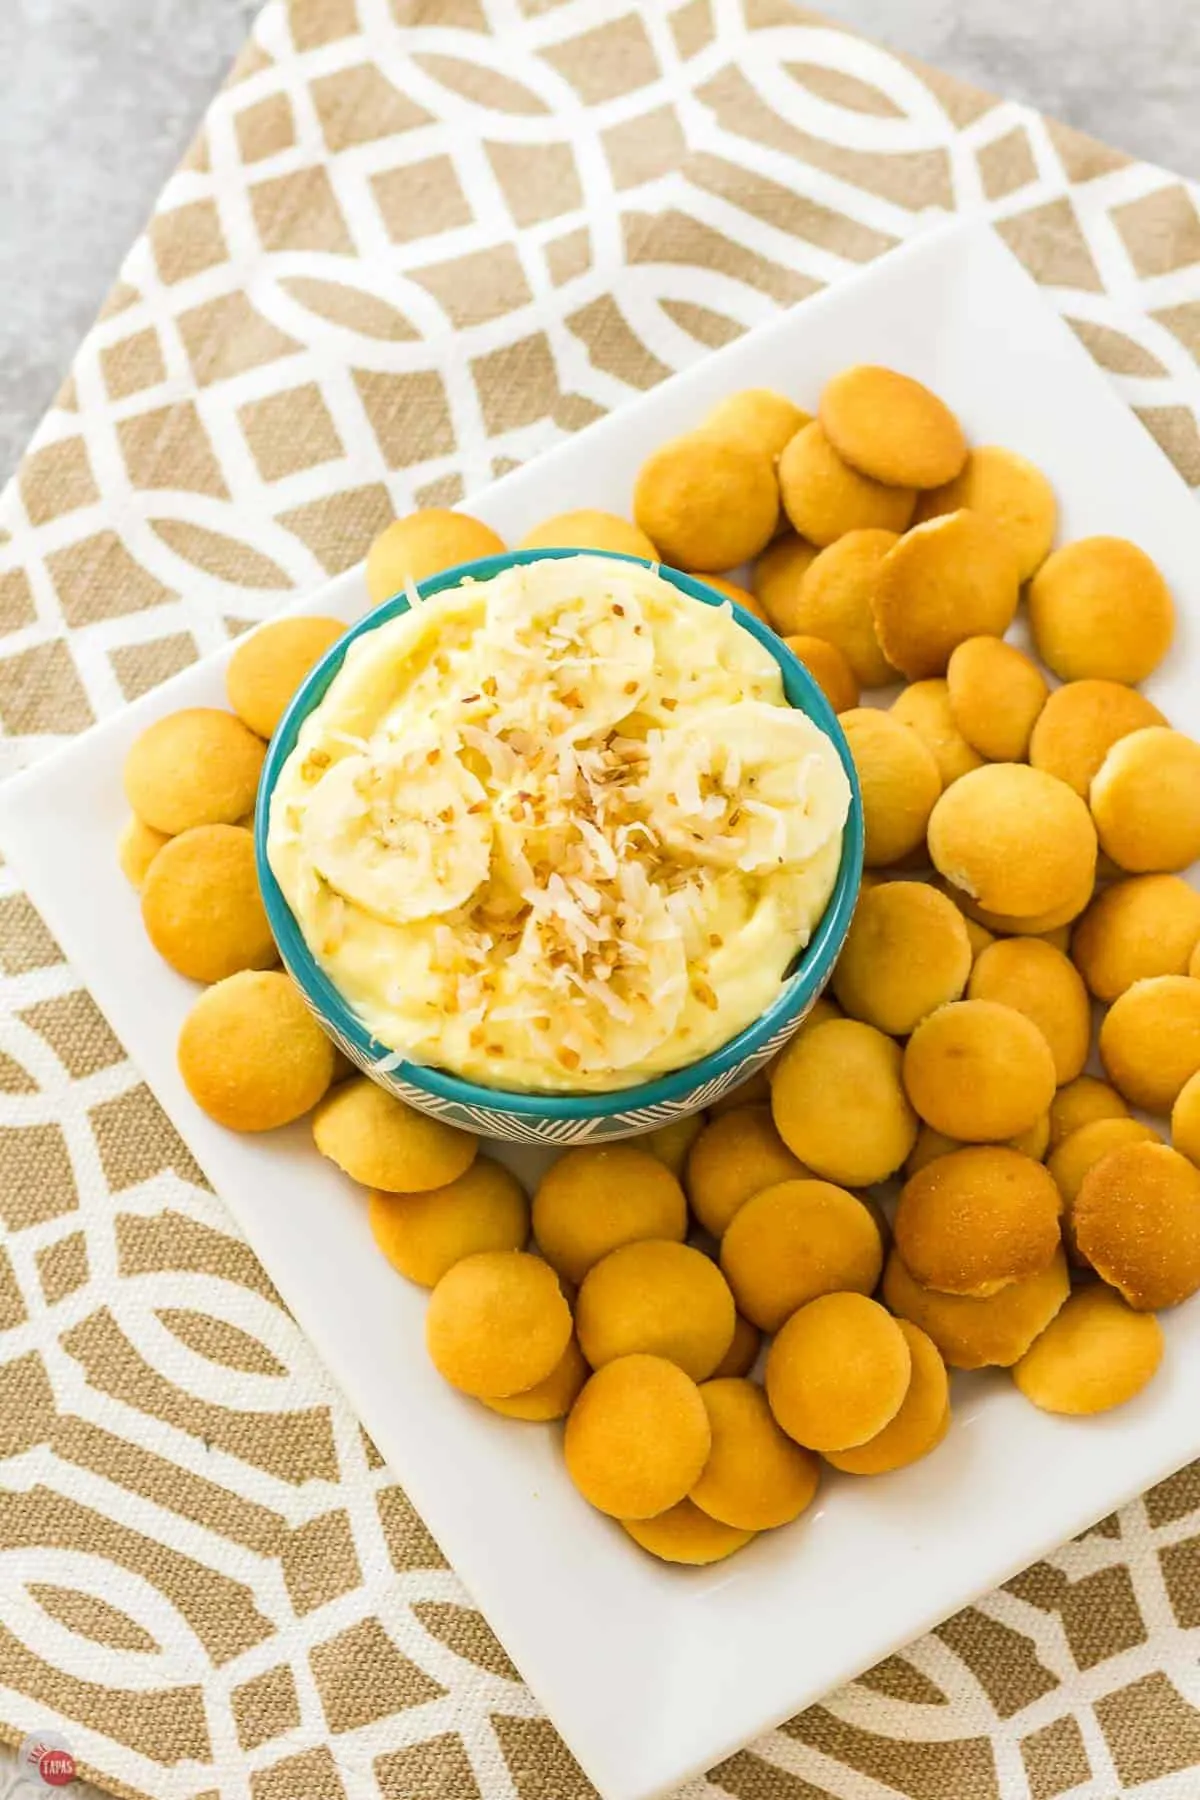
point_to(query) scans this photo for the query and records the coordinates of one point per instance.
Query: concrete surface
(1128, 71)
(98, 99)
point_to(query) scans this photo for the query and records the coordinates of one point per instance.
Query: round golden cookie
(978, 935)
(759, 417)
(423, 544)
(1052, 925)
(1081, 1102)
(497, 1323)
(838, 1372)
(754, 1091)
(637, 1438)
(1185, 1120)
(755, 1478)
(1148, 925)
(743, 1350)
(251, 1054)
(269, 664)
(1017, 842)
(589, 529)
(201, 904)
(1007, 489)
(552, 1397)
(829, 669)
(1079, 725)
(659, 1298)
(899, 781)
(776, 579)
(1100, 610)
(1036, 1141)
(921, 1423)
(996, 695)
(424, 1234)
(707, 502)
(977, 1219)
(684, 1534)
(196, 767)
(1137, 1221)
(946, 581)
(822, 1010)
(1150, 1040)
(891, 427)
(795, 1241)
(832, 601)
(980, 1334)
(825, 498)
(1034, 978)
(736, 1156)
(1095, 1354)
(731, 591)
(1145, 799)
(924, 706)
(979, 1071)
(137, 847)
(672, 1143)
(931, 1144)
(907, 952)
(379, 1141)
(1070, 1161)
(597, 1197)
(839, 1103)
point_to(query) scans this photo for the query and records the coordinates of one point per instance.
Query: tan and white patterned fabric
(413, 245)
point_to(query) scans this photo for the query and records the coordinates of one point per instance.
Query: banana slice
(570, 651)
(599, 978)
(752, 787)
(404, 832)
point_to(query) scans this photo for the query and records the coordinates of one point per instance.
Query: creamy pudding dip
(558, 831)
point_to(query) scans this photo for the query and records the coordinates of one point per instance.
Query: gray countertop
(98, 99)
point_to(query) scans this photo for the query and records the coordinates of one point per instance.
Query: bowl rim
(797, 990)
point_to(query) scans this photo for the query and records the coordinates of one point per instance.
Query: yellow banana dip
(558, 831)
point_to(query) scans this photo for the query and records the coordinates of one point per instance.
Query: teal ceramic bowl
(573, 1118)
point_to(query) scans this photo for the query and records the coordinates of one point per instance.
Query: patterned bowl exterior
(557, 1118)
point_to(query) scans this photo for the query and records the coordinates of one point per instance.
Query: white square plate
(653, 1673)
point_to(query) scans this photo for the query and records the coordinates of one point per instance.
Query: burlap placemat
(409, 248)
